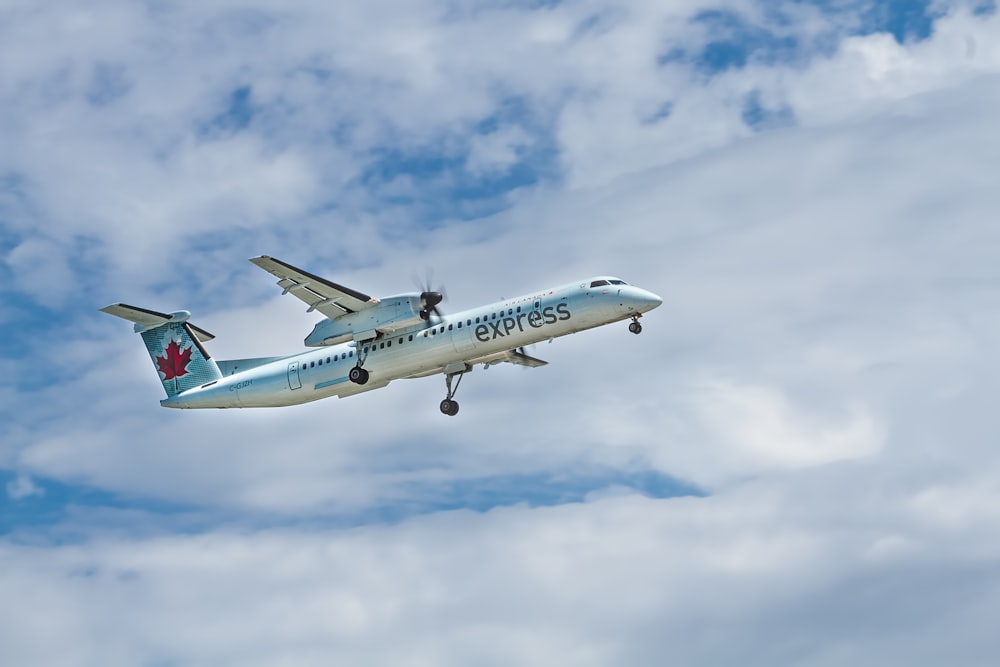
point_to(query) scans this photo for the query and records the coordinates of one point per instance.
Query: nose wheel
(634, 325)
(449, 406)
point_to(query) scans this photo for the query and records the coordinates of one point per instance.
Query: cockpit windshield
(611, 281)
(615, 281)
(598, 283)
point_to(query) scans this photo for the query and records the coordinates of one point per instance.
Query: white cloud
(22, 487)
(617, 580)
(824, 362)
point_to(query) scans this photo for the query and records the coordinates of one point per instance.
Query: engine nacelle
(391, 314)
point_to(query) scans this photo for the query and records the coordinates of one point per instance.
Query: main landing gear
(449, 406)
(359, 375)
(634, 325)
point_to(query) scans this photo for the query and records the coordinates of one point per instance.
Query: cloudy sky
(797, 463)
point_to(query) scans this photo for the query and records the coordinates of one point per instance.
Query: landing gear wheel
(449, 406)
(358, 375)
(635, 328)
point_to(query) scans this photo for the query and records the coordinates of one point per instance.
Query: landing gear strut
(634, 325)
(359, 375)
(449, 406)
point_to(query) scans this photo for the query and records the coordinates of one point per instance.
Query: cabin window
(320, 362)
(477, 320)
(351, 353)
(434, 332)
(328, 360)
(519, 309)
(400, 340)
(510, 311)
(449, 327)
(411, 338)
(442, 328)
(312, 364)
(459, 325)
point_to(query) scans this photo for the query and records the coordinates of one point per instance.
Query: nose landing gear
(634, 325)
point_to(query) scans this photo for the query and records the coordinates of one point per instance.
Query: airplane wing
(508, 356)
(522, 359)
(327, 297)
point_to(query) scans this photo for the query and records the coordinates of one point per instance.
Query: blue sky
(803, 434)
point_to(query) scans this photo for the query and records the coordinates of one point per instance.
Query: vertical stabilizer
(174, 345)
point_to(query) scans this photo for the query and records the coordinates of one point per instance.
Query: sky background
(796, 463)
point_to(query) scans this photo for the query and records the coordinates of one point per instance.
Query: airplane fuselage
(449, 345)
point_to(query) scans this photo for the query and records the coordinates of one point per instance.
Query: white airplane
(365, 343)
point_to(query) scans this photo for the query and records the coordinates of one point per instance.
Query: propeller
(429, 298)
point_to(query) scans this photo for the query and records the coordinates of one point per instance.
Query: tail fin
(174, 345)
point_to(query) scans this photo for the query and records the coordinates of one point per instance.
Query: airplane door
(293, 376)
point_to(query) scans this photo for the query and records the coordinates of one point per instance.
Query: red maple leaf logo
(173, 364)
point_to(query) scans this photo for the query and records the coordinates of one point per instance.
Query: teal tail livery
(174, 345)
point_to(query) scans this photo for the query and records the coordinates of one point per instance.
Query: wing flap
(318, 293)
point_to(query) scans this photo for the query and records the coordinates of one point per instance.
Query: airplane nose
(640, 300)
(644, 300)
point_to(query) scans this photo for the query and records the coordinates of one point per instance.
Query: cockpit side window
(598, 283)
(618, 282)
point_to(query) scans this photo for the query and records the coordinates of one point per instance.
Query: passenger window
(449, 327)
(477, 320)
(519, 309)
(312, 364)
(411, 337)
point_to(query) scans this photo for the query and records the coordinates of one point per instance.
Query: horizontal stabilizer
(150, 319)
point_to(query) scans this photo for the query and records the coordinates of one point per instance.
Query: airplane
(365, 342)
